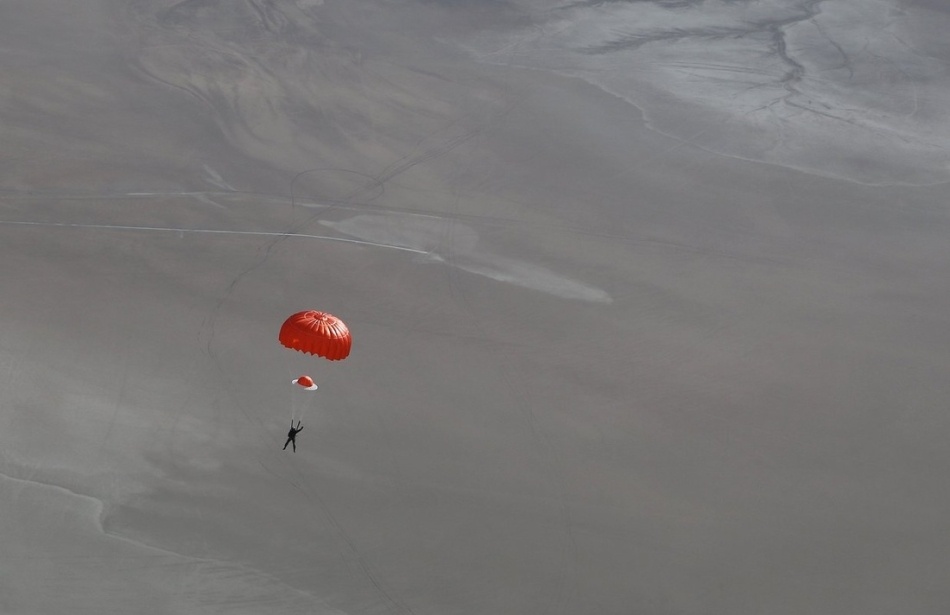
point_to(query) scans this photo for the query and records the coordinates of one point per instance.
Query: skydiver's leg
(295, 446)
(286, 443)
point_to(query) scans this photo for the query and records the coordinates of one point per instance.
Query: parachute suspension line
(293, 406)
(301, 396)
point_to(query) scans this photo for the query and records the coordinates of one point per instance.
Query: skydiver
(292, 435)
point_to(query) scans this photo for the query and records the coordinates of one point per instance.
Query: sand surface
(649, 304)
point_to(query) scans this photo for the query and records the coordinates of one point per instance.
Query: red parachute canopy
(317, 333)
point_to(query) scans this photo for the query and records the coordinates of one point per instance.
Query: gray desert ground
(650, 304)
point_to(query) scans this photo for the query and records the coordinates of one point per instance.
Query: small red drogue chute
(316, 333)
(305, 382)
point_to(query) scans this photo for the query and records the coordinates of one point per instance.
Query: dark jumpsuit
(292, 435)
